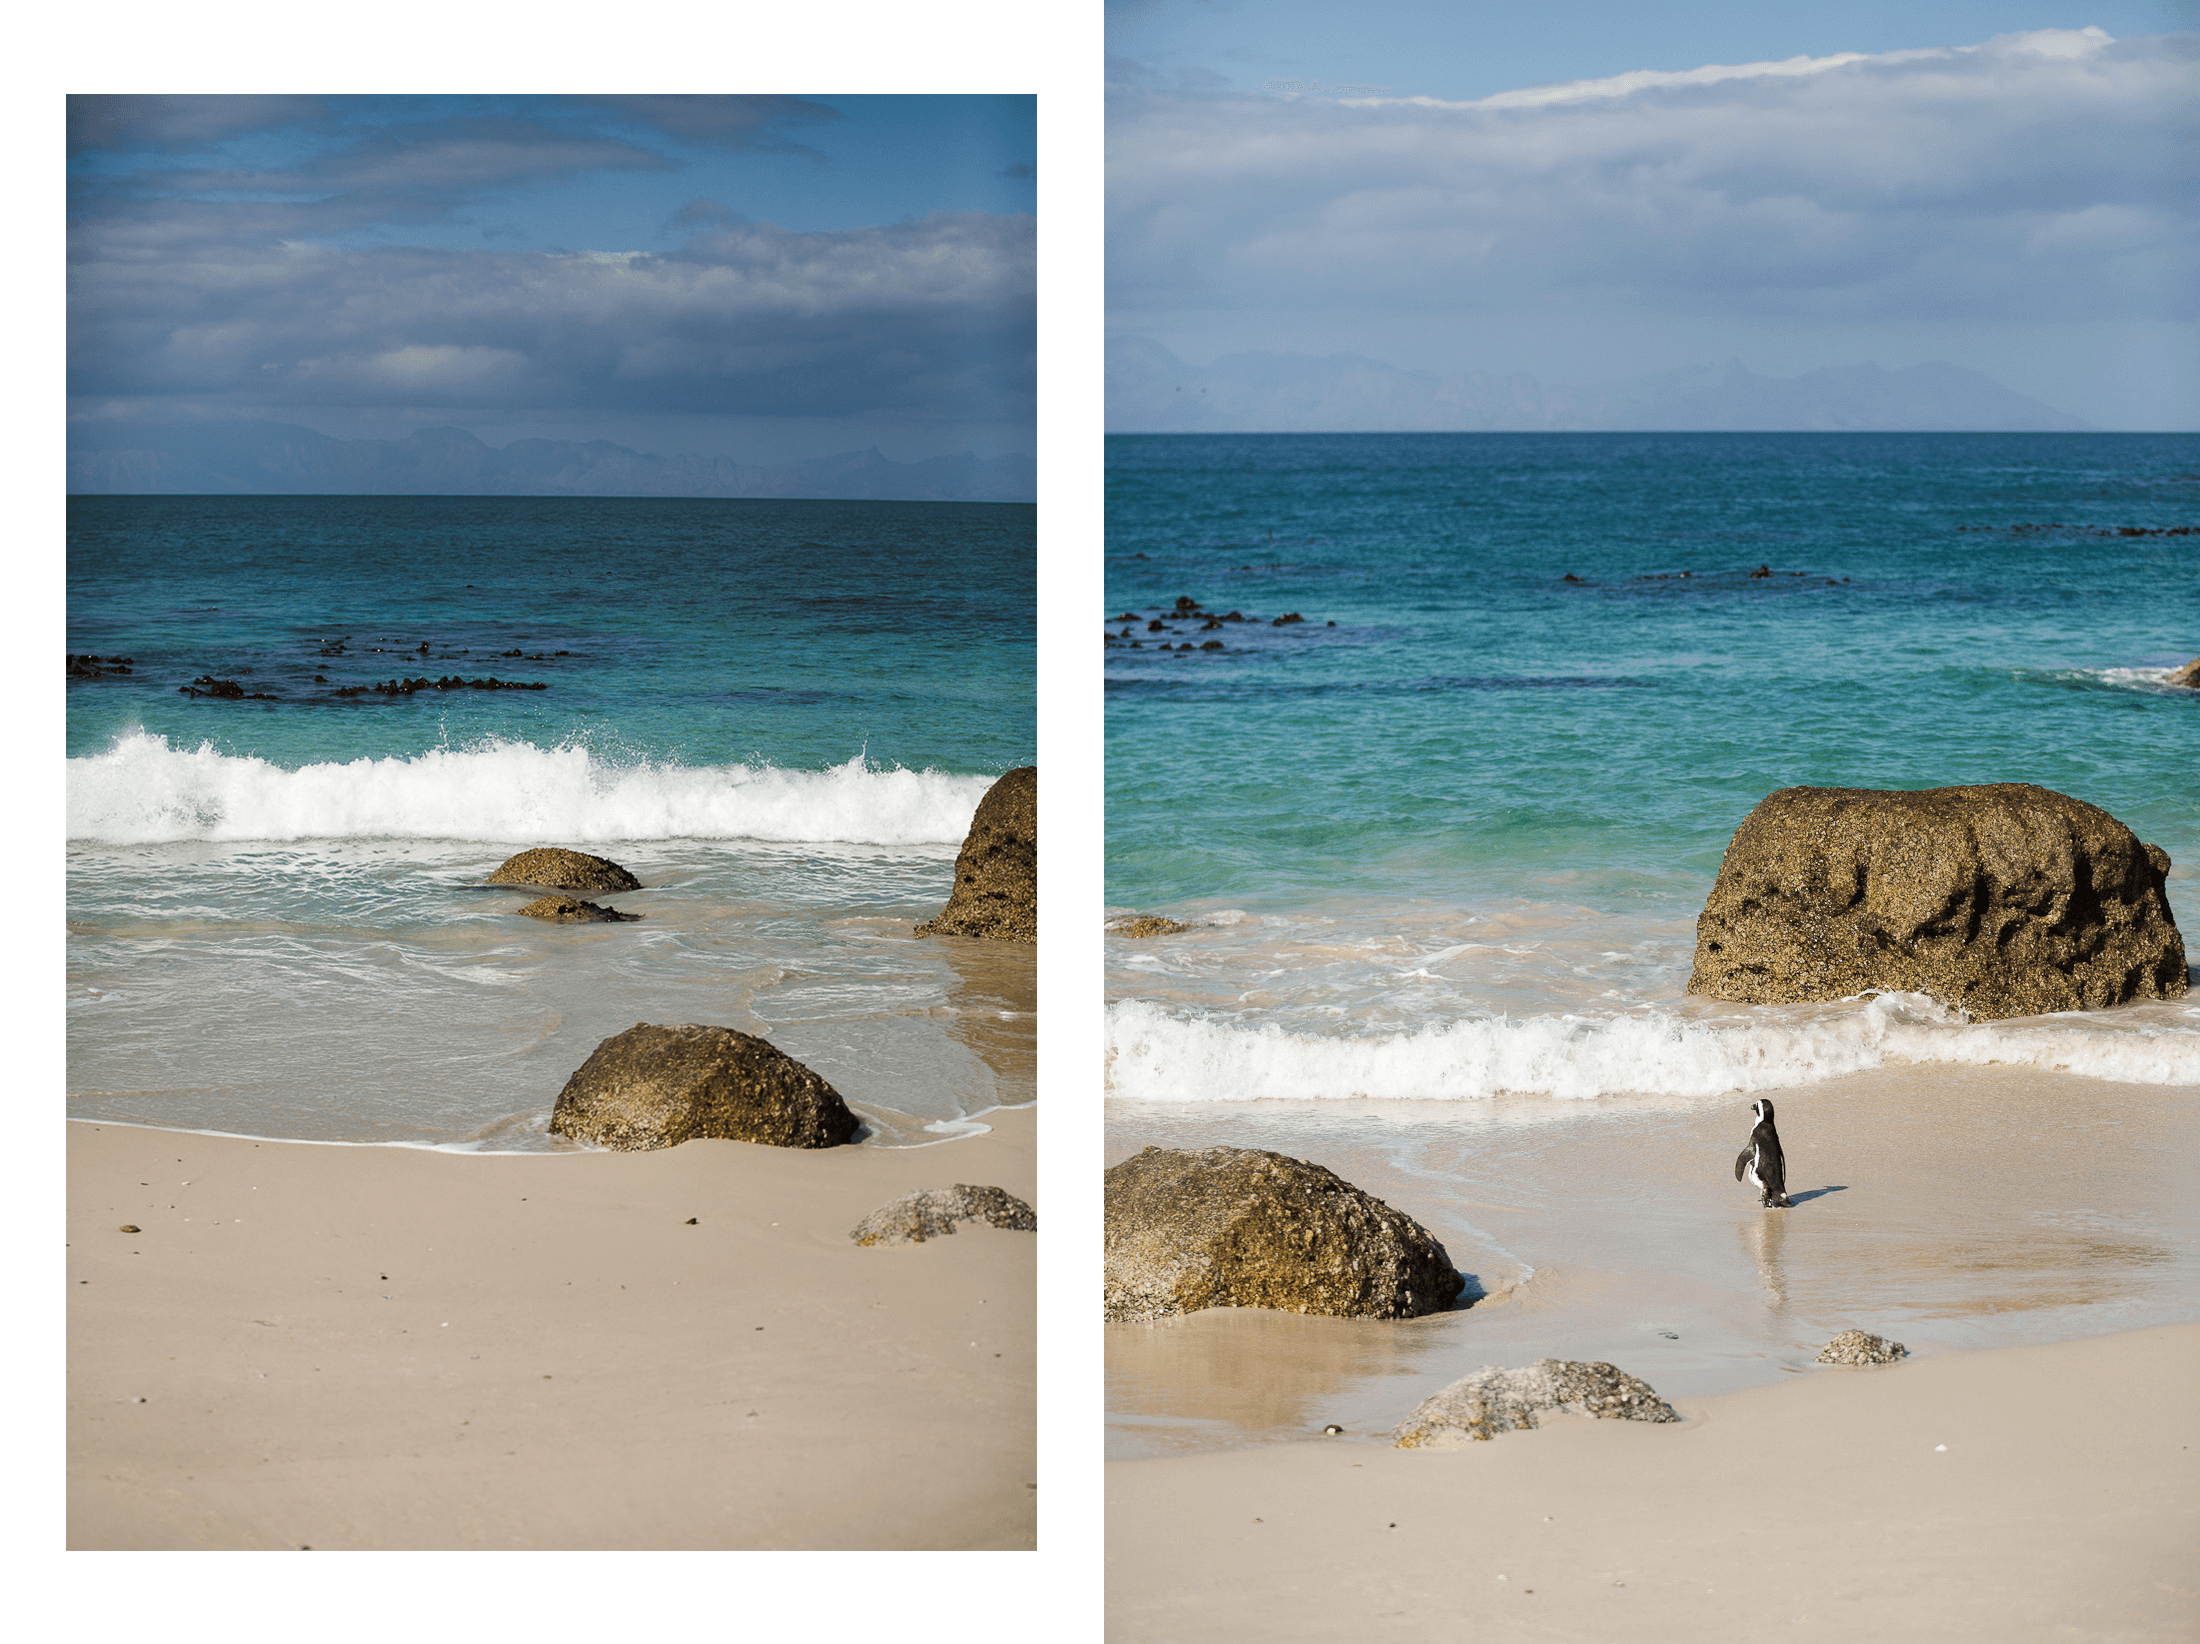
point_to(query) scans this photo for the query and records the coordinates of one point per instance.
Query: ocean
(778, 715)
(1442, 840)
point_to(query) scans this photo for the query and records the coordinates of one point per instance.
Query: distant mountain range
(272, 458)
(1150, 390)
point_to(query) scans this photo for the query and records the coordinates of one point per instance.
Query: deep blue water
(1942, 609)
(699, 630)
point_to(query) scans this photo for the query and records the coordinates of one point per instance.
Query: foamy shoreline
(396, 1347)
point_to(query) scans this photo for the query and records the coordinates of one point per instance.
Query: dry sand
(2062, 1507)
(379, 1347)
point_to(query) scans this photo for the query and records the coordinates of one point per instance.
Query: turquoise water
(1448, 834)
(697, 631)
(779, 715)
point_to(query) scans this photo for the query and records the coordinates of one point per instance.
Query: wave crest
(1153, 1056)
(143, 791)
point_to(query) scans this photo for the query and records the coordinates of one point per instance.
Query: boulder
(1147, 924)
(564, 910)
(554, 869)
(2002, 900)
(1858, 1347)
(653, 1087)
(1238, 1227)
(932, 1211)
(996, 893)
(2188, 675)
(1474, 1408)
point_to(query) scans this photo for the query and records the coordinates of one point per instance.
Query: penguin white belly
(1749, 1171)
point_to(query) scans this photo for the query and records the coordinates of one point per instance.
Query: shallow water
(1947, 1208)
(779, 717)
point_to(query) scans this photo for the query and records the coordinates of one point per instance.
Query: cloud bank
(218, 272)
(2038, 179)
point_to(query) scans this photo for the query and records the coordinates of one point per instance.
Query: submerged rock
(1491, 1401)
(1858, 1347)
(932, 1211)
(1147, 924)
(2002, 900)
(1238, 1227)
(564, 910)
(653, 1086)
(229, 689)
(996, 893)
(555, 869)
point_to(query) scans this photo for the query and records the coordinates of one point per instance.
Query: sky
(1574, 190)
(760, 277)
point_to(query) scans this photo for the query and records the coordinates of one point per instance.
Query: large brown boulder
(996, 891)
(1238, 1227)
(553, 869)
(2004, 900)
(2188, 675)
(655, 1087)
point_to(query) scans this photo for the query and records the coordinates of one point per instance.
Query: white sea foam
(143, 791)
(1155, 1056)
(2135, 676)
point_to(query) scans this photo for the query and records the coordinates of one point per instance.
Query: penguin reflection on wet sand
(1760, 1164)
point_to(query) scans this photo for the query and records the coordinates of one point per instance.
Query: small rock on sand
(932, 1211)
(1492, 1401)
(1859, 1347)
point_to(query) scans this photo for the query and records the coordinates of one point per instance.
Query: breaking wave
(1154, 1056)
(143, 791)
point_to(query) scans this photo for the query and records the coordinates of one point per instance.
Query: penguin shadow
(1471, 1290)
(1814, 1193)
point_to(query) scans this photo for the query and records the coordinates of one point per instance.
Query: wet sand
(1952, 1209)
(377, 1347)
(2023, 1493)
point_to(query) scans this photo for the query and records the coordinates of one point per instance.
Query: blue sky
(1988, 184)
(761, 277)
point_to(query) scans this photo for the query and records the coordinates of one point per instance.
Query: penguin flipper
(1741, 1162)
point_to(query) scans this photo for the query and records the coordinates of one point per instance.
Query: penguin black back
(1761, 1163)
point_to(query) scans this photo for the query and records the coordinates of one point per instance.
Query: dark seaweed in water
(450, 682)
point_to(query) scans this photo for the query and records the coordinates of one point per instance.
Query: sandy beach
(2044, 1278)
(341, 1347)
(2022, 1493)
(1954, 1209)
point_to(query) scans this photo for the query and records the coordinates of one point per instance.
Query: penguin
(1761, 1164)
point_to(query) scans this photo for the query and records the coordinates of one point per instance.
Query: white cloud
(2035, 177)
(917, 319)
